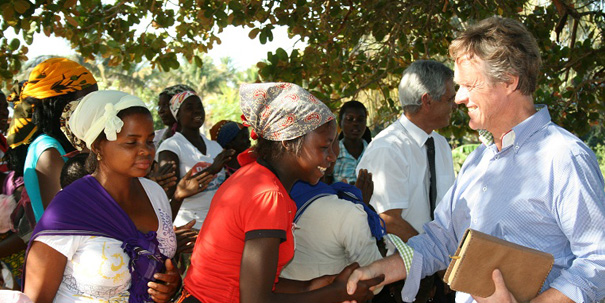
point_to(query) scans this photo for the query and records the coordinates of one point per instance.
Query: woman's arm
(257, 275)
(44, 272)
(188, 186)
(165, 158)
(48, 168)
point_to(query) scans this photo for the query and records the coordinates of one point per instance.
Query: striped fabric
(544, 190)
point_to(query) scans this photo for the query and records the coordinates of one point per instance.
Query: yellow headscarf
(53, 77)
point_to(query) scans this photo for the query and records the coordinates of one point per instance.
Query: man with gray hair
(536, 184)
(411, 164)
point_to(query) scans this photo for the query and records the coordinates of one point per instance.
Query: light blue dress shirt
(543, 190)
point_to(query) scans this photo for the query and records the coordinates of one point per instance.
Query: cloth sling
(85, 208)
(304, 194)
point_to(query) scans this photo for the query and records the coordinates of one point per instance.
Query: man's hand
(391, 268)
(363, 287)
(360, 274)
(501, 294)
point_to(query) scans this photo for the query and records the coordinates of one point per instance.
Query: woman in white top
(187, 149)
(108, 236)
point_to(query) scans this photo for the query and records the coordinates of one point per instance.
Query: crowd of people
(293, 203)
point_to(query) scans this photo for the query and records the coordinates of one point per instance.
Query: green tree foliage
(355, 48)
(216, 84)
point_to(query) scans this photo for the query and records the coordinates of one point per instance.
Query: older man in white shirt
(406, 185)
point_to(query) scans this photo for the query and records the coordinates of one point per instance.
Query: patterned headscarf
(177, 100)
(98, 112)
(225, 131)
(53, 77)
(175, 89)
(15, 91)
(68, 110)
(281, 111)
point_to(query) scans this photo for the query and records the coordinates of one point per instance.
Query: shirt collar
(531, 125)
(416, 133)
(522, 131)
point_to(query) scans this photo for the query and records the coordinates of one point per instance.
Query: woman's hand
(185, 237)
(221, 159)
(320, 282)
(167, 284)
(192, 184)
(365, 184)
(165, 175)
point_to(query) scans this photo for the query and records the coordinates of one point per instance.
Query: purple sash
(85, 208)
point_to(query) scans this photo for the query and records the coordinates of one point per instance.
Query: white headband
(98, 112)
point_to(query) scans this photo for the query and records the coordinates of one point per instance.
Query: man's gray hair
(421, 77)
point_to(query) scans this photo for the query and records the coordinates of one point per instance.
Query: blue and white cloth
(543, 190)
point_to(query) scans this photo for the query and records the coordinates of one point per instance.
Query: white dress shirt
(399, 165)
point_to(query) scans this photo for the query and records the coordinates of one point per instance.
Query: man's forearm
(392, 267)
(551, 295)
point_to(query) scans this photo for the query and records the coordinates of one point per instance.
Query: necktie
(430, 152)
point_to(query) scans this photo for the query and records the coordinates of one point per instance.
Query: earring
(98, 157)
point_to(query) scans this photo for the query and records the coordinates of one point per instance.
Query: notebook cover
(524, 269)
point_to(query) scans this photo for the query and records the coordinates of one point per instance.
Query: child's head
(231, 135)
(74, 169)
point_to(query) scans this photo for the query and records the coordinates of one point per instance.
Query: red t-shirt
(252, 203)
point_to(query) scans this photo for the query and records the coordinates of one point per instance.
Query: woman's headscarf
(177, 100)
(97, 112)
(68, 110)
(53, 77)
(281, 111)
(175, 89)
(225, 131)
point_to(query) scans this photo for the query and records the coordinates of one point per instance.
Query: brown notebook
(524, 269)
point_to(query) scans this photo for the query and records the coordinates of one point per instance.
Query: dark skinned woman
(108, 236)
(187, 149)
(247, 237)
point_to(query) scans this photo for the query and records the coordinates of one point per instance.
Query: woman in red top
(247, 236)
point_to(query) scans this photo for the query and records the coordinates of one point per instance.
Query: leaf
(198, 61)
(21, 6)
(253, 33)
(71, 20)
(70, 3)
(9, 15)
(14, 45)
(263, 37)
(281, 54)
